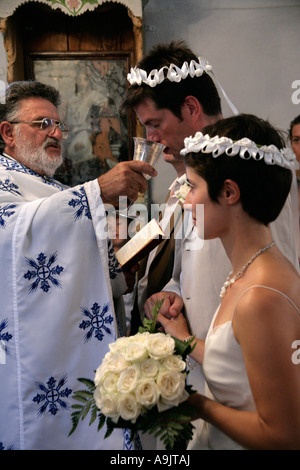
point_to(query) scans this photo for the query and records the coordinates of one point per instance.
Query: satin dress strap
(272, 289)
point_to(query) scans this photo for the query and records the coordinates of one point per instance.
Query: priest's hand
(125, 179)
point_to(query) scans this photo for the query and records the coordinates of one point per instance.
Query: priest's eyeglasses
(47, 124)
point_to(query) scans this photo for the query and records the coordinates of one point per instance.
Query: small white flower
(183, 191)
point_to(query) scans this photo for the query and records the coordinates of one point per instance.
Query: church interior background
(86, 48)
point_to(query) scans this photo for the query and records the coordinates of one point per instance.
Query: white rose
(147, 393)
(171, 385)
(115, 362)
(174, 363)
(109, 382)
(97, 397)
(108, 404)
(183, 191)
(119, 344)
(160, 345)
(140, 337)
(129, 408)
(135, 352)
(128, 379)
(149, 367)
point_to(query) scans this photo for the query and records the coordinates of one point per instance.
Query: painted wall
(3, 69)
(253, 46)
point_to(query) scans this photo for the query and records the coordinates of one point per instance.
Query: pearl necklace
(231, 281)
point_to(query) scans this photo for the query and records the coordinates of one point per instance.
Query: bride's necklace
(231, 281)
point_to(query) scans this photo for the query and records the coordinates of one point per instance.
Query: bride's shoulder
(269, 299)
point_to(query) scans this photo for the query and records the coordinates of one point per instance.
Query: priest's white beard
(37, 158)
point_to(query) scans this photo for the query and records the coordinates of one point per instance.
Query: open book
(140, 245)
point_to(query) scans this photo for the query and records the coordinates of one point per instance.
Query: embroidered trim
(11, 164)
(245, 148)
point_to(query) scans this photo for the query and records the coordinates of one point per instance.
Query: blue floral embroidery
(6, 211)
(11, 164)
(43, 272)
(5, 336)
(9, 186)
(11, 447)
(97, 321)
(128, 443)
(113, 263)
(52, 396)
(81, 203)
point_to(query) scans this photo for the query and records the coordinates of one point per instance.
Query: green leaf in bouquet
(87, 404)
(184, 348)
(150, 325)
(172, 426)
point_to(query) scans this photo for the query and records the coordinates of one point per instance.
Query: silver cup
(147, 151)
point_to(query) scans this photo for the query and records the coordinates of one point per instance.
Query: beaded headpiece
(245, 148)
(175, 74)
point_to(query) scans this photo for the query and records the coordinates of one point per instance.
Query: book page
(141, 239)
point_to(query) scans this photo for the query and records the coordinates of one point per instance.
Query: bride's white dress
(226, 381)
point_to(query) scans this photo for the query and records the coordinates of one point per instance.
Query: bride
(249, 357)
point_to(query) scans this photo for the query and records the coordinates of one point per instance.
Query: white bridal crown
(175, 74)
(245, 148)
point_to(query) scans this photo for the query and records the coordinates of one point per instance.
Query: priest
(58, 277)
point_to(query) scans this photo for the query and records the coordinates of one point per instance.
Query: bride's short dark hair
(263, 188)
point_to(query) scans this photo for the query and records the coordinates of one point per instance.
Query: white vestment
(56, 308)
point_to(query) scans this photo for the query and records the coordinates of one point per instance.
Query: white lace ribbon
(245, 148)
(175, 74)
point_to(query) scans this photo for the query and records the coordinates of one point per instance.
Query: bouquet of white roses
(141, 385)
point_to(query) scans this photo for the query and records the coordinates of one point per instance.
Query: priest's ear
(231, 192)
(7, 133)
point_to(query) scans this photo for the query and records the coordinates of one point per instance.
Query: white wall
(253, 46)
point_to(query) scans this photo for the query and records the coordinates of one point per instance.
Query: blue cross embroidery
(52, 395)
(97, 321)
(43, 272)
(5, 211)
(81, 203)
